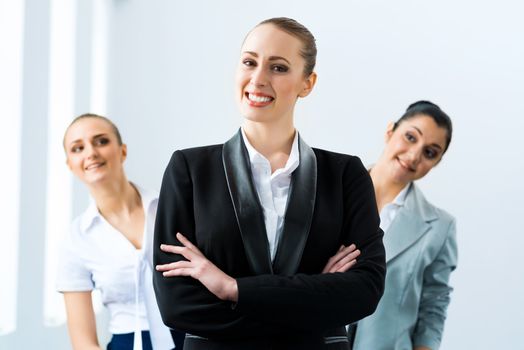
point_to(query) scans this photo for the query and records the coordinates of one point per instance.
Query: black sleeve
(184, 302)
(324, 301)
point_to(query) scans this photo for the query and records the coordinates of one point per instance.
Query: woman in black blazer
(257, 232)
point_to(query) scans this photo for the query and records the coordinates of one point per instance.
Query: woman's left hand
(343, 260)
(200, 268)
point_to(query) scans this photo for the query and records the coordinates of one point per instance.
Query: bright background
(163, 71)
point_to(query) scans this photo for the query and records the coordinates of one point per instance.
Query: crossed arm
(219, 283)
(195, 302)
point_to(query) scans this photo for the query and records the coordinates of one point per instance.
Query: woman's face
(92, 150)
(413, 148)
(270, 75)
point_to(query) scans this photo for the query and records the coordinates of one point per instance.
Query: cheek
(75, 165)
(241, 79)
(425, 168)
(288, 90)
(395, 146)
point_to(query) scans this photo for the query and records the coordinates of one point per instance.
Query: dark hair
(91, 115)
(299, 31)
(431, 110)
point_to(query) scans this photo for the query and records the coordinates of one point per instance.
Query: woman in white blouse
(109, 245)
(420, 242)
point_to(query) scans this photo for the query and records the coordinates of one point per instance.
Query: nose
(414, 156)
(91, 151)
(259, 77)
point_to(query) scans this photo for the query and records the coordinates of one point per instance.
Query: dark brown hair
(431, 110)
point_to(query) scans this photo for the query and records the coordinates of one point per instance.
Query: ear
(309, 84)
(389, 131)
(68, 164)
(124, 152)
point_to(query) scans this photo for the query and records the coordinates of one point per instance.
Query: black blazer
(208, 195)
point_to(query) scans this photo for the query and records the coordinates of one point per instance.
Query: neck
(270, 139)
(386, 189)
(116, 198)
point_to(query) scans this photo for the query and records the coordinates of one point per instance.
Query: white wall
(170, 85)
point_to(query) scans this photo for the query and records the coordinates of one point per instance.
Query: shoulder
(347, 173)
(74, 238)
(75, 228)
(442, 223)
(445, 216)
(196, 155)
(342, 160)
(202, 150)
(428, 208)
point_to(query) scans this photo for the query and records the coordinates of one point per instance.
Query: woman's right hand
(200, 268)
(343, 260)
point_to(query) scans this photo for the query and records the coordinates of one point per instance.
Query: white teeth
(93, 166)
(256, 98)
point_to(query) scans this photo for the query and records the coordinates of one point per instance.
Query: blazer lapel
(248, 211)
(299, 213)
(410, 224)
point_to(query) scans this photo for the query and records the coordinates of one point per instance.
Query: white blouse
(272, 189)
(390, 210)
(96, 255)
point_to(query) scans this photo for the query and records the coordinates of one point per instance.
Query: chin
(97, 179)
(401, 176)
(255, 116)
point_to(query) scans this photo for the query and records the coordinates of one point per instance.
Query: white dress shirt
(390, 210)
(272, 189)
(96, 255)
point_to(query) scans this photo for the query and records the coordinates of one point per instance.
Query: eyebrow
(94, 137)
(420, 132)
(271, 58)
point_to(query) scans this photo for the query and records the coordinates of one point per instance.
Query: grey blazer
(421, 253)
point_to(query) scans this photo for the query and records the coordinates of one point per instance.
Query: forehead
(269, 40)
(86, 128)
(431, 131)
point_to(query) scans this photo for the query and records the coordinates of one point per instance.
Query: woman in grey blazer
(421, 248)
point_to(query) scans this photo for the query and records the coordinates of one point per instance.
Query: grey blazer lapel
(299, 213)
(411, 223)
(248, 211)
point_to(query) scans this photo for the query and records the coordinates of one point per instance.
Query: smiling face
(93, 151)
(270, 75)
(413, 148)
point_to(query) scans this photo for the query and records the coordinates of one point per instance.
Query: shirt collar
(91, 214)
(256, 157)
(401, 197)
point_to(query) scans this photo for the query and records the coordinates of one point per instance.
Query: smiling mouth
(94, 166)
(258, 100)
